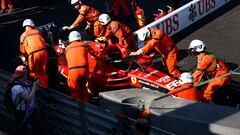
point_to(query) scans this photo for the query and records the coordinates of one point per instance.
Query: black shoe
(3, 11)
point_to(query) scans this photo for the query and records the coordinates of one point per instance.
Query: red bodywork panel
(153, 78)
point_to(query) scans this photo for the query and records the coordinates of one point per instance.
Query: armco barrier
(184, 16)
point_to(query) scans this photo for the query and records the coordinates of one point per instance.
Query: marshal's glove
(101, 39)
(67, 27)
(138, 52)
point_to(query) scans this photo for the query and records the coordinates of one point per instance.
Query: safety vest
(119, 30)
(88, 13)
(210, 69)
(76, 55)
(32, 42)
(160, 42)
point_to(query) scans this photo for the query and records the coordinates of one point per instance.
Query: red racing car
(119, 70)
(116, 72)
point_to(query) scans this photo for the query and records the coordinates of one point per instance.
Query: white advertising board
(184, 16)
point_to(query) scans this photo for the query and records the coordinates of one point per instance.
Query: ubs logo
(200, 8)
(193, 13)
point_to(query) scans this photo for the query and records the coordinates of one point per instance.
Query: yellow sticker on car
(134, 80)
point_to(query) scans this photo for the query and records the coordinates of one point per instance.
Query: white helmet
(28, 22)
(73, 2)
(197, 45)
(73, 36)
(143, 34)
(104, 19)
(185, 78)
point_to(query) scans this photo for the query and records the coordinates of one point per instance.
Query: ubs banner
(184, 16)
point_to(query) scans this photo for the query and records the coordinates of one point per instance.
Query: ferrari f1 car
(118, 70)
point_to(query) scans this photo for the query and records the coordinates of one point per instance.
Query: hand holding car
(138, 52)
(133, 54)
(67, 27)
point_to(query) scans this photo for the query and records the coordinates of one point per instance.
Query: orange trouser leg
(43, 77)
(6, 2)
(212, 87)
(31, 66)
(116, 7)
(3, 4)
(98, 29)
(171, 63)
(38, 67)
(77, 79)
(124, 6)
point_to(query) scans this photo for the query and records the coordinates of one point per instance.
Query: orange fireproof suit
(117, 4)
(210, 66)
(98, 29)
(77, 59)
(88, 13)
(7, 3)
(186, 91)
(123, 33)
(33, 45)
(166, 47)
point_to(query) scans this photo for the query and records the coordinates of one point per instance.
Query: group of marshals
(32, 46)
